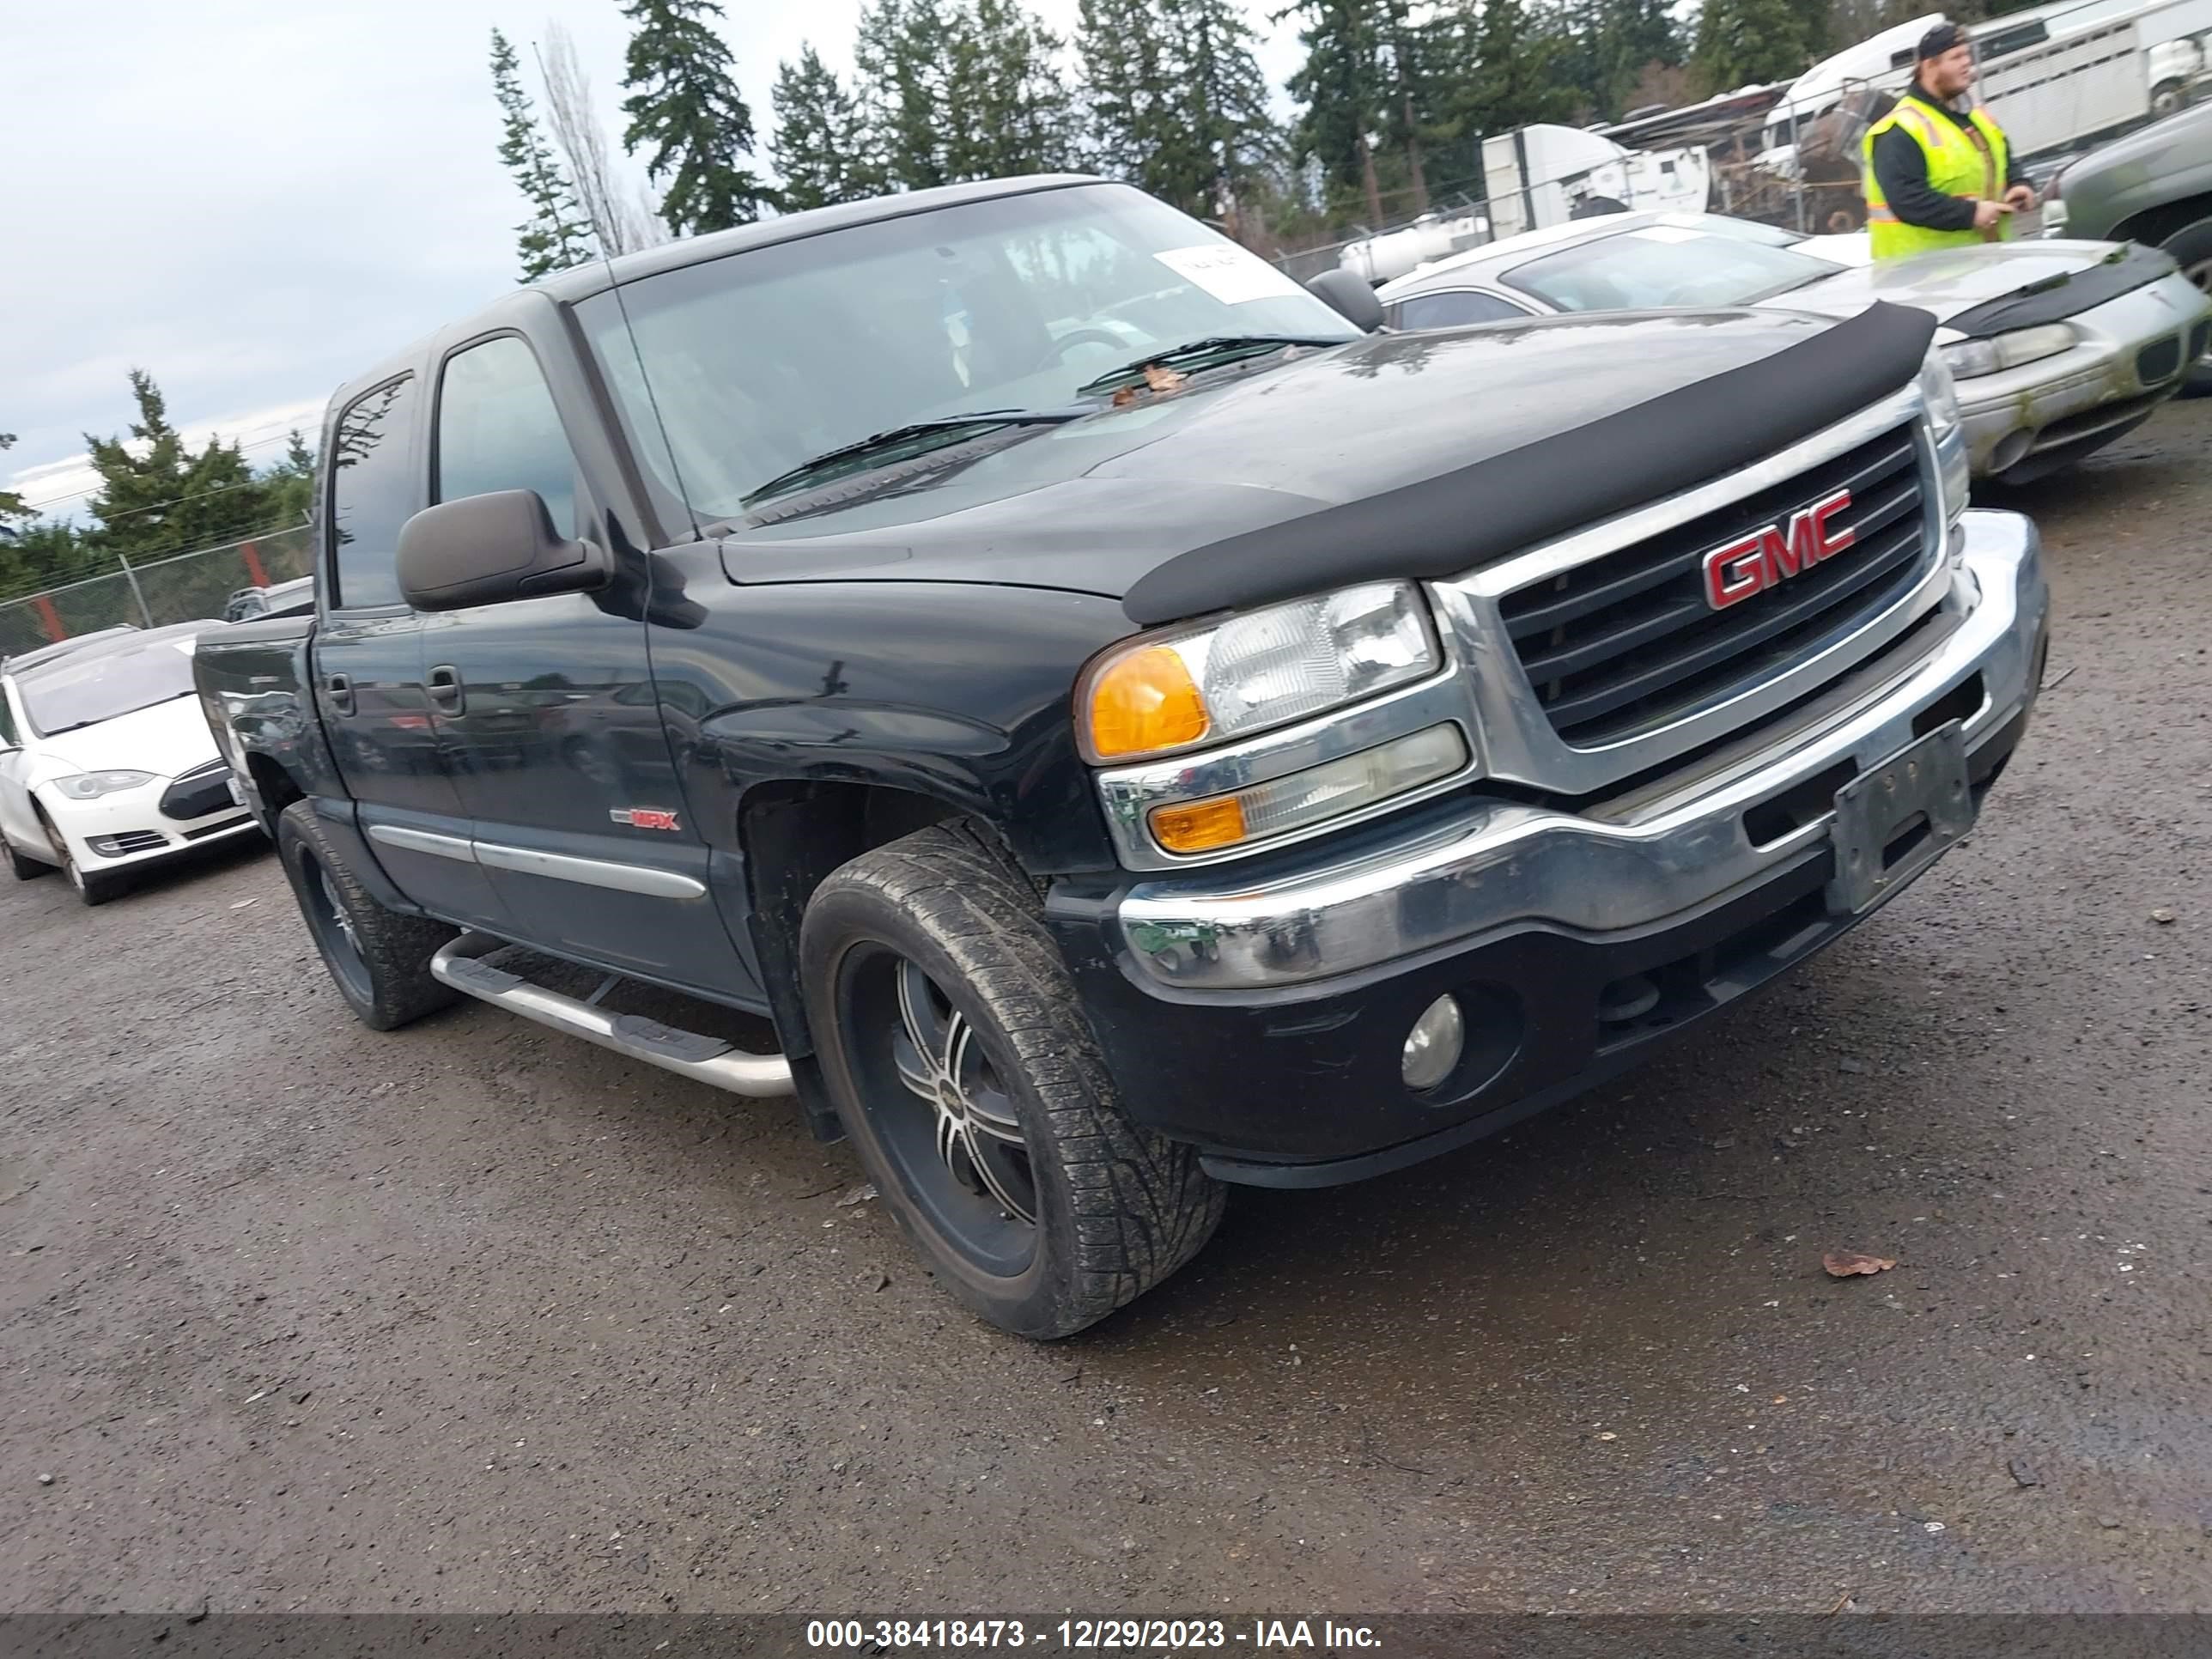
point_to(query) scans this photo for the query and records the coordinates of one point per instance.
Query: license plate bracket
(1897, 817)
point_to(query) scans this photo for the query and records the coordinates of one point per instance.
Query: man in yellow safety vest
(1939, 172)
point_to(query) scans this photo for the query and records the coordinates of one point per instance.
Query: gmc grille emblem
(1769, 556)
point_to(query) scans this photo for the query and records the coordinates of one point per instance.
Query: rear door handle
(443, 683)
(339, 689)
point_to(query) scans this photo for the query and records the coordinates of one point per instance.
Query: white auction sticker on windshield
(1230, 274)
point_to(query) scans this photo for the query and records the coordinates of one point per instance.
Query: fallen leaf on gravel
(860, 1194)
(1842, 1264)
(242, 903)
(2022, 1473)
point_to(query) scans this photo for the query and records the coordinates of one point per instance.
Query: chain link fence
(184, 588)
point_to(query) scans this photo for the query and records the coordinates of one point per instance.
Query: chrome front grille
(1624, 644)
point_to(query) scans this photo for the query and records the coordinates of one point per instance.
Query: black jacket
(1900, 167)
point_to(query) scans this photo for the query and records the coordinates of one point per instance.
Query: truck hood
(1951, 281)
(1098, 503)
(165, 739)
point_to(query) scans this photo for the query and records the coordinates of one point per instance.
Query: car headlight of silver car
(90, 786)
(1970, 358)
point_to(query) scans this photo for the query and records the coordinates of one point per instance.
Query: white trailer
(1542, 175)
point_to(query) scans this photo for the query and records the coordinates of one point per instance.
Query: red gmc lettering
(1768, 556)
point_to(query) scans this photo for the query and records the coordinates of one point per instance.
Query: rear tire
(378, 959)
(956, 1051)
(2191, 248)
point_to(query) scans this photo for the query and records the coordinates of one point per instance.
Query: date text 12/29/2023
(1131, 1636)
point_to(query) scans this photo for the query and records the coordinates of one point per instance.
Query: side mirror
(484, 549)
(1350, 298)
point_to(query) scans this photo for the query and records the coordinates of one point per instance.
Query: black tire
(2191, 248)
(93, 886)
(28, 869)
(378, 959)
(1113, 1208)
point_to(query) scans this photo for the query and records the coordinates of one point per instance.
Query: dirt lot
(473, 1317)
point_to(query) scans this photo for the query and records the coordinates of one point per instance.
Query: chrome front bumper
(2056, 400)
(1676, 850)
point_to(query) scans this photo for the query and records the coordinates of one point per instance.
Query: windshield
(1664, 266)
(762, 360)
(68, 695)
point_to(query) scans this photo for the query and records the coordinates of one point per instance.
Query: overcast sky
(257, 199)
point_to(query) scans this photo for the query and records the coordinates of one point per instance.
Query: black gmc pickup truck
(1130, 727)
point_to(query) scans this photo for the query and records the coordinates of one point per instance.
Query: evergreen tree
(291, 482)
(156, 497)
(899, 54)
(1127, 69)
(1514, 79)
(1341, 87)
(1750, 42)
(553, 238)
(819, 148)
(1228, 131)
(1008, 112)
(684, 103)
(12, 505)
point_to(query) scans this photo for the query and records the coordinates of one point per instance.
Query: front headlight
(89, 786)
(1939, 386)
(1970, 358)
(1163, 692)
(1946, 430)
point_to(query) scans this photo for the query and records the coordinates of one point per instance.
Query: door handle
(443, 683)
(339, 689)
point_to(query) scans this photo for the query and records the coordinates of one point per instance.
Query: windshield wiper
(919, 437)
(1213, 349)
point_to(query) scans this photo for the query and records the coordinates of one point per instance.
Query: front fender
(958, 692)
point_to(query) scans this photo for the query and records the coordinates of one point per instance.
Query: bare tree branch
(615, 219)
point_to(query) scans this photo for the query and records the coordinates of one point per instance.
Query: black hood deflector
(1476, 514)
(2124, 271)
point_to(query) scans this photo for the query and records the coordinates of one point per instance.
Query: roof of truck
(582, 281)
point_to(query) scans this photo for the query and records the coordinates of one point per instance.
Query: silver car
(2059, 347)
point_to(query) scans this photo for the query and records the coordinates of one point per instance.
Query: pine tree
(12, 505)
(291, 481)
(1127, 70)
(1226, 125)
(901, 66)
(1011, 113)
(1749, 42)
(1515, 79)
(684, 103)
(155, 496)
(553, 238)
(819, 147)
(1341, 86)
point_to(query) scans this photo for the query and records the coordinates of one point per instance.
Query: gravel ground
(476, 1318)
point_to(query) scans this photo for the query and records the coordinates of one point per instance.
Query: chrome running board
(687, 1054)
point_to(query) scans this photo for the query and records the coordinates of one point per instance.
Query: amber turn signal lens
(1200, 825)
(1146, 702)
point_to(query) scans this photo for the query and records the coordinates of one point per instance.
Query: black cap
(1940, 40)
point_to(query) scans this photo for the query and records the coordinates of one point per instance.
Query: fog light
(1433, 1046)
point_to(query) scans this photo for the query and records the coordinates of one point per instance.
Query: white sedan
(106, 763)
(2057, 347)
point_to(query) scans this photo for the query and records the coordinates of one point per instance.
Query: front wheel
(27, 869)
(93, 886)
(2191, 248)
(954, 1048)
(378, 959)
